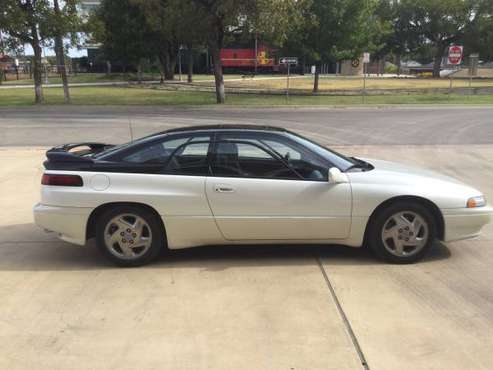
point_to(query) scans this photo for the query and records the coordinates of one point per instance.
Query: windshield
(337, 159)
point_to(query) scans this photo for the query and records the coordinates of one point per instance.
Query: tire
(402, 232)
(130, 236)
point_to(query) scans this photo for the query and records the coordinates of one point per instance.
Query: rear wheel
(129, 235)
(402, 232)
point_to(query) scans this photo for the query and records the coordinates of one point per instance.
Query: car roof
(222, 127)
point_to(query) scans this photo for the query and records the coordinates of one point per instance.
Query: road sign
(366, 57)
(455, 54)
(289, 60)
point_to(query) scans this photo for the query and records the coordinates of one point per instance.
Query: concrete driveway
(297, 307)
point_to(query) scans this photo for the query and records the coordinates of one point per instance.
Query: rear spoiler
(65, 153)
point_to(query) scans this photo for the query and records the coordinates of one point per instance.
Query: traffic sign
(455, 54)
(366, 57)
(289, 60)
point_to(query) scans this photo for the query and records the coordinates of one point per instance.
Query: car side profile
(243, 184)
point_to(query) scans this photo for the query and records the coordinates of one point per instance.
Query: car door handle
(221, 188)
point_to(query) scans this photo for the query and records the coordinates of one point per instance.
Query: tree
(22, 21)
(398, 38)
(64, 22)
(174, 23)
(479, 35)
(441, 23)
(337, 29)
(224, 17)
(120, 26)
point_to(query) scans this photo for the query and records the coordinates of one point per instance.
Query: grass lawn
(356, 83)
(141, 96)
(278, 82)
(102, 77)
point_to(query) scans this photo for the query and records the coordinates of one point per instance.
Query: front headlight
(476, 202)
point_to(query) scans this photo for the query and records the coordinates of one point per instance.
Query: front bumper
(465, 223)
(68, 222)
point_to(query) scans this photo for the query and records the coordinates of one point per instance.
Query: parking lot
(290, 307)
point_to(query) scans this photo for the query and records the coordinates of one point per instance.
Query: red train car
(237, 58)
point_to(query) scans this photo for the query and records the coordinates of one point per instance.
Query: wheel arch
(432, 207)
(98, 211)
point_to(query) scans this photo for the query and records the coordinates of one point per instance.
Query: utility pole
(256, 53)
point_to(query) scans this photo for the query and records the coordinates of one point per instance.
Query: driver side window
(243, 159)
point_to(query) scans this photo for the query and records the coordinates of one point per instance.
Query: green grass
(80, 78)
(327, 83)
(102, 77)
(142, 96)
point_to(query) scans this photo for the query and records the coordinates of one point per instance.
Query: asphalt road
(300, 307)
(347, 126)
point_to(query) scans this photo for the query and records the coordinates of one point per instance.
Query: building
(87, 6)
(85, 9)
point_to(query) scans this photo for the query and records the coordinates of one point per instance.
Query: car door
(255, 194)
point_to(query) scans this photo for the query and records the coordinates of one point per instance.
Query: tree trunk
(139, 72)
(37, 70)
(190, 64)
(60, 57)
(398, 62)
(218, 75)
(170, 65)
(317, 77)
(437, 63)
(162, 63)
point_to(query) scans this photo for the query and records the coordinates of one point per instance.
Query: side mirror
(336, 176)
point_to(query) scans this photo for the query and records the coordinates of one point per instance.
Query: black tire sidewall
(376, 225)
(157, 235)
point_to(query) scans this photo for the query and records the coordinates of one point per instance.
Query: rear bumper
(68, 222)
(465, 223)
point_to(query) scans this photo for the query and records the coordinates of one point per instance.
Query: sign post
(16, 61)
(366, 60)
(454, 58)
(179, 62)
(473, 67)
(288, 61)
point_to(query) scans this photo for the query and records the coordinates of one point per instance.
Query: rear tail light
(61, 180)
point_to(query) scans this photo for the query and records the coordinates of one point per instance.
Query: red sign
(455, 54)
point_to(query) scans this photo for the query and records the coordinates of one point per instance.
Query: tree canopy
(317, 31)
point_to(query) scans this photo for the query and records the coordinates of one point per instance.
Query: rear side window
(160, 152)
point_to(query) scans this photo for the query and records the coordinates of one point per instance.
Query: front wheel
(402, 232)
(129, 236)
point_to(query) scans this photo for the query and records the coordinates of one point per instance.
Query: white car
(216, 185)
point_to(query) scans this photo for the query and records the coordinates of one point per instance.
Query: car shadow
(27, 248)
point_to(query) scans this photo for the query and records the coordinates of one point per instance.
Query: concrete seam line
(344, 318)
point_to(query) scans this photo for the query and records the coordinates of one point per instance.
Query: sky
(72, 52)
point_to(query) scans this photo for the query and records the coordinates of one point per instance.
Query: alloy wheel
(405, 233)
(128, 236)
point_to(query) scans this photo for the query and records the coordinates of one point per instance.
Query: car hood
(408, 170)
(395, 179)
